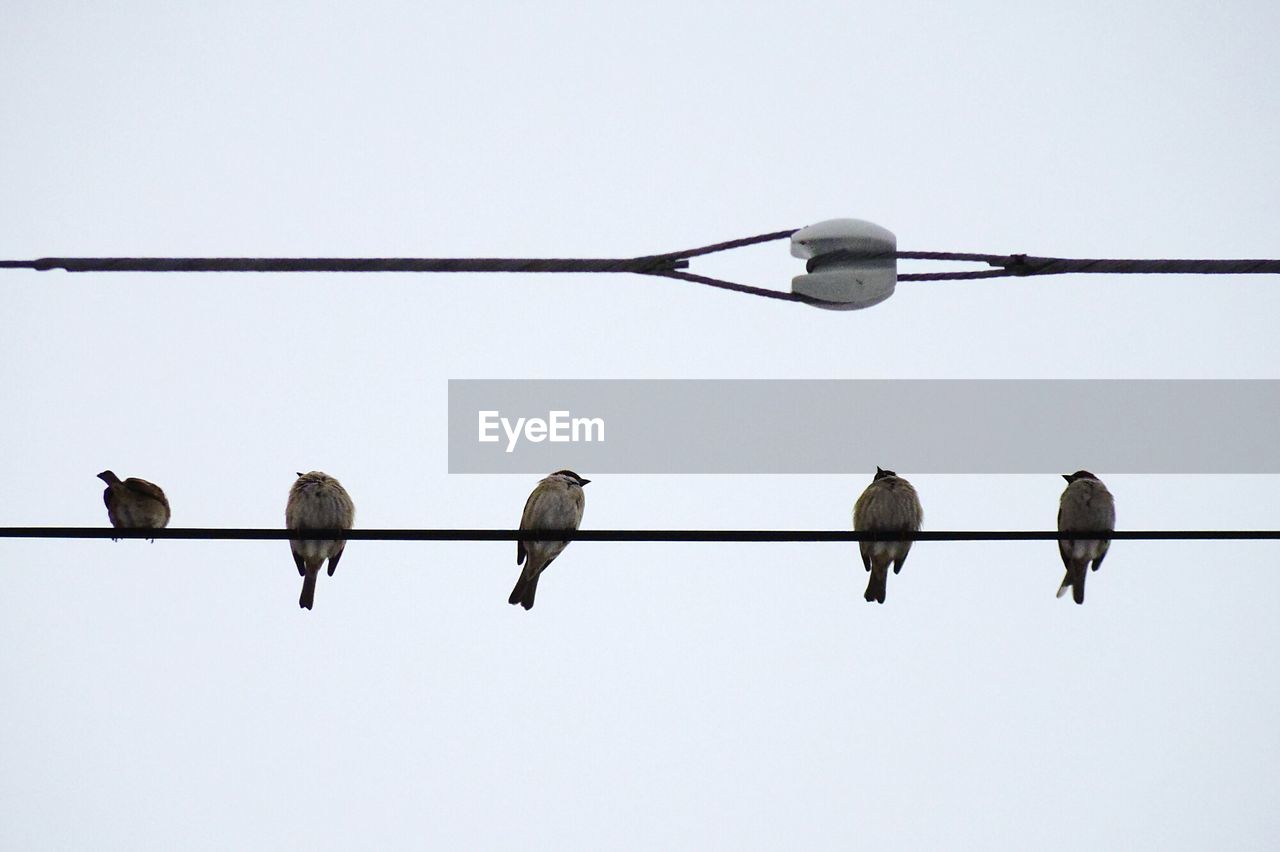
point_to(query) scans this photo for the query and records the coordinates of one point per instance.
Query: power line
(1023, 265)
(744, 536)
(665, 265)
(654, 264)
(737, 288)
(638, 265)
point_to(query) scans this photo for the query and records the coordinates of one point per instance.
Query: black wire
(257, 534)
(781, 295)
(730, 244)
(664, 265)
(347, 264)
(955, 276)
(647, 264)
(1022, 265)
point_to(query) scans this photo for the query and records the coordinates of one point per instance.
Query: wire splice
(667, 265)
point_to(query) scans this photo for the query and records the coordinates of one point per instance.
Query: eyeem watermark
(559, 427)
(851, 426)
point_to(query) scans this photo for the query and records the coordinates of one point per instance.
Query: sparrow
(134, 503)
(889, 504)
(555, 504)
(317, 501)
(1086, 506)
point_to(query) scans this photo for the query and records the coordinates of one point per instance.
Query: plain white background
(166, 695)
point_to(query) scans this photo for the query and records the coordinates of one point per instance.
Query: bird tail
(309, 588)
(877, 584)
(526, 588)
(1077, 583)
(1074, 580)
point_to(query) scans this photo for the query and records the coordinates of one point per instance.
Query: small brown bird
(555, 504)
(134, 503)
(1086, 506)
(317, 501)
(889, 504)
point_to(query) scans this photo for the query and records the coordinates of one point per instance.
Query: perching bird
(1086, 506)
(889, 504)
(134, 503)
(317, 501)
(555, 504)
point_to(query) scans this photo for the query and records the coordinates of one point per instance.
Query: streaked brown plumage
(317, 501)
(889, 504)
(134, 503)
(1085, 506)
(555, 504)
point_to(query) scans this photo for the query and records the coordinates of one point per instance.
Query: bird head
(572, 477)
(1079, 474)
(881, 474)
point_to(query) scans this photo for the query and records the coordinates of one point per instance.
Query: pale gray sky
(166, 695)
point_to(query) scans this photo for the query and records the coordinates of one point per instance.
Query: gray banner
(838, 426)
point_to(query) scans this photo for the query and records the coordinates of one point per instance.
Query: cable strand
(665, 265)
(348, 264)
(651, 535)
(737, 288)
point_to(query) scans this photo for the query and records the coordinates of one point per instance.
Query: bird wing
(888, 505)
(146, 489)
(568, 513)
(912, 513)
(526, 519)
(1085, 506)
(1107, 510)
(1064, 547)
(1102, 554)
(861, 508)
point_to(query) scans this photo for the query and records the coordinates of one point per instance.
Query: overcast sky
(173, 695)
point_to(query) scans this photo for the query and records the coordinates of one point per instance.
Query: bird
(1086, 506)
(889, 504)
(555, 504)
(317, 501)
(134, 503)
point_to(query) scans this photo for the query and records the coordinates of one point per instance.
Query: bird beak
(878, 470)
(584, 481)
(298, 472)
(1067, 477)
